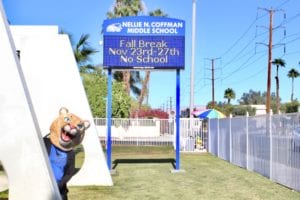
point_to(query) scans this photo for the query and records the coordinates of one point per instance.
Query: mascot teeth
(73, 131)
(68, 133)
(65, 137)
(67, 128)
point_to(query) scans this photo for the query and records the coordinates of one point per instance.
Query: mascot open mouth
(66, 137)
(68, 133)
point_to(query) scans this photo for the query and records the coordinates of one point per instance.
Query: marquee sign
(143, 42)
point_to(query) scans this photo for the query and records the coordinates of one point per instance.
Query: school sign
(143, 42)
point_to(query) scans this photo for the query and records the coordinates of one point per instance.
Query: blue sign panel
(144, 42)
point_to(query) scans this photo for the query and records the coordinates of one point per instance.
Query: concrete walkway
(3, 182)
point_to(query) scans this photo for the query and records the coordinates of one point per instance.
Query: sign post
(108, 111)
(143, 42)
(177, 119)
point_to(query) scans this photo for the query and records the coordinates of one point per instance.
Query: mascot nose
(72, 126)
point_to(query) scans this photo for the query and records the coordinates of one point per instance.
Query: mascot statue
(66, 132)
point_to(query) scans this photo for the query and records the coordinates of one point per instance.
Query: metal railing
(267, 144)
(140, 132)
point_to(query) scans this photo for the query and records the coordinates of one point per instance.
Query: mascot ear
(63, 110)
(86, 124)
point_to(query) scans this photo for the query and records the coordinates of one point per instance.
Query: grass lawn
(145, 175)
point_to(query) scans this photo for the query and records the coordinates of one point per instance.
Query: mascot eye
(67, 119)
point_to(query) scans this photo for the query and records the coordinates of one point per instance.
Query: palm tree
(82, 52)
(145, 88)
(279, 63)
(123, 8)
(134, 81)
(229, 94)
(158, 12)
(293, 73)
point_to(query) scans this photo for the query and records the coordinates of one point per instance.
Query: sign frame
(143, 42)
(139, 23)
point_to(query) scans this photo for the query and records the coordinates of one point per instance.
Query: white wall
(260, 109)
(131, 131)
(22, 151)
(53, 80)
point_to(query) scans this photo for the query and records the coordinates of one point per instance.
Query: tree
(122, 8)
(121, 102)
(252, 97)
(256, 98)
(158, 12)
(293, 73)
(95, 85)
(134, 81)
(291, 107)
(229, 94)
(145, 88)
(83, 52)
(279, 63)
(242, 110)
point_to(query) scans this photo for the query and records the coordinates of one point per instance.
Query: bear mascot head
(66, 132)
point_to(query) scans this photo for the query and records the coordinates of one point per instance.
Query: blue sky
(234, 31)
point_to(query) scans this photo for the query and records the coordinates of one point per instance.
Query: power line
(239, 39)
(240, 55)
(246, 78)
(235, 57)
(242, 36)
(243, 66)
(282, 4)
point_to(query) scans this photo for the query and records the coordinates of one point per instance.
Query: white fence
(154, 132)
(268, 144)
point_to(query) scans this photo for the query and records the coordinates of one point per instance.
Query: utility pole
(270, 45)
(268, 102)
(193, 60)
(170, 105)
(213, 82)
(213, 79)
(167, 107)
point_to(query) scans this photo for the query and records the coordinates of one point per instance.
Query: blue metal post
(108, 117)
(177, 119)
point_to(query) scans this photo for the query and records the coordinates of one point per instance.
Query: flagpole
(193, 60)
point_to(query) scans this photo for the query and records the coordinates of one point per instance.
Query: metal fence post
(247, 141)
(230, 138)
(271, 145)
(209, 135)
(218, 134)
